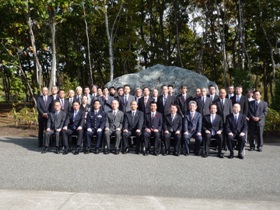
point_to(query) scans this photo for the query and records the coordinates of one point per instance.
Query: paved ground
(28, 178)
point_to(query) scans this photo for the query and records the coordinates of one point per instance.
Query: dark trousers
(108, 138)
(67, 133)
(42, 121)
(177, 141)
(98, 137)
(48, 136)
(206, 142)
(241, 143)
(137, 138)
(156, 135)
(255, 133)
(198, 140)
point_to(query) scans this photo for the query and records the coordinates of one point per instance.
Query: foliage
(272, 120)
(25, 117)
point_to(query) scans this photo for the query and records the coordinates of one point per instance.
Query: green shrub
(272, 120)
(25, 117)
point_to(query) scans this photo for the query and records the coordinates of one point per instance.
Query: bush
(272, 120)
(25, 117)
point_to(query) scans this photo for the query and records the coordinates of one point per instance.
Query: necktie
(145, 101)
(133, 115)
(212, 97)
(184, 98)
(95, 112)
(236, 119)
(237, 99)
(192, 115)
(62, 103)
(164, 100)
(256, 105)
(71, 101)
(172, 118)
(212, 118)
(153, 116)
(45, 100)
(125, 100)
(75, 114)
(202, 99)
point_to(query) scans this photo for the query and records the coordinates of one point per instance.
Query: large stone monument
(156, 76)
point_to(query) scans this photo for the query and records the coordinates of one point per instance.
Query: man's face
(230, 90)
(99, 91)
(153, 107)
(45, 91)
(106, 91)
(61, 94)
(86, 91)
(236, 108)
(120, 92)
(222, 94)
(238, 90)
(115, 105)
(173, 109)
(250, 94)
(71, 93)
(183, 90)
(97, 105)
(76, 106)
(170, 90)
(203, 92)
(54, 90)
(79, 91)
(198, 92)
(155, 92)
(84, 100)
(133, 105)
(192, 107)
(164, 90)
(112, 91)
(94, 89)
(126, 90)
(146, 92)
(57, 106)
(257, 96)
(138, 93)
(212, 90)
(213, 109)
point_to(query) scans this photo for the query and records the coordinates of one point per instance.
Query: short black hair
(119, 88)
(153, 102)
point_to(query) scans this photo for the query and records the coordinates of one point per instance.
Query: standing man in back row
(164, 101)
(126, 99)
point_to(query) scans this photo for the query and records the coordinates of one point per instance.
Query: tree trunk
(53, 68)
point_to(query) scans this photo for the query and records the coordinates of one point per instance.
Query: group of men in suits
(164, 120)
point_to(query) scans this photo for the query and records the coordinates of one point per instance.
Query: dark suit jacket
(42, 107)
(224, 110)
(165, 109)
(243, 104)
(106, 104)
(141, 104)
(70, 104)
(114, 122)
(183, 105)
(234, 128)
(260, 111)
(78, 98)
(56, 122)
(79, 120)
(174, 126)
(215, 98)
(217, 124)
(135, 124)
(155, 123)
(194, 124)
(203, 108)
(125, 107)
(96, 121)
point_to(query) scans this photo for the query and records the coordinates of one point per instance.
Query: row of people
(255, 117)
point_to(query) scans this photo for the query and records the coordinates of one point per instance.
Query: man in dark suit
(106, 100)
(44, 103)
(183, 100)
(203, 103)
(73, 125)
(144, 102)
(54, 126)
(126, 99)
(212, 127)
(236, 128)
(113, 126)
(65, 105)
(230, 92)
(192, 128)
(164, 101)
(54, 96)
(257, 113)
(138, 94)
(240, 99)
(88, 95)
(152, 127)
(133, 123)
(172, 126)
(95, 124)
(79, 94)
(70, 99)
(212, 94)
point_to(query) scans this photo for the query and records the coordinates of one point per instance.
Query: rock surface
(156, 76)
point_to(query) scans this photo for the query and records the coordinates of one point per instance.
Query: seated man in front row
(212, 127)
(54, 126)
(133, 123)
(152, 127)
(172, 126)
(73, 125)
(236, 128)
(95, 125)
(192, 128)
(113, 126)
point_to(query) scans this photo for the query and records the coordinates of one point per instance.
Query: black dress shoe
(230, 156)
(45, 150)
(145, 153)
(220, 155)
(240, 156)
(136, 151)
(176, 153)
(65, 152)
(106, 151)
(97, 151)
(251, 149)
(87, 151)
(57, 151)
(117, 151)
(205, 155)
(125, 151)
(156, 153)
(76, 152)
(260, 150)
